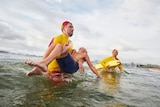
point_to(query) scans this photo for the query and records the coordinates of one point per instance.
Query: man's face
(69, 29)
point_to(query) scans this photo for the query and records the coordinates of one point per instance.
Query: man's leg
(35, 71)
(68, 64)
(57, 51)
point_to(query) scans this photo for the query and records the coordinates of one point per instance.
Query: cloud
(7, 33)
(130, 26)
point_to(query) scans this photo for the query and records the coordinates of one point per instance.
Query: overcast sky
(131, 26)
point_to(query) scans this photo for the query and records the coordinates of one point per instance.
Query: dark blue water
(140, 88)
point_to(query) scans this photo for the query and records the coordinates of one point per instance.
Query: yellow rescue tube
(98, 66)
(113, 63)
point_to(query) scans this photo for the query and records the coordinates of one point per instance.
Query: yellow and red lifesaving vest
(60, 39)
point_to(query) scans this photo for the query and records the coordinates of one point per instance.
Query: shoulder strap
(51, 42)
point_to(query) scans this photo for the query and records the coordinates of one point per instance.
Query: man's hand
(66, 48)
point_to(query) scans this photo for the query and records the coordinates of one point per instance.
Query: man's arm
(66, 48)
(81, 67)
(120, 67)
(73, 53)
(91, 65)
(48, 50)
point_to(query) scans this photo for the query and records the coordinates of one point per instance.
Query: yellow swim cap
(115, 50)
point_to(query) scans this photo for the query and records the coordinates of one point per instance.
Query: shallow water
(140, 88)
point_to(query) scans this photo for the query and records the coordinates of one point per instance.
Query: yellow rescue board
(98, 66)
(110, 64)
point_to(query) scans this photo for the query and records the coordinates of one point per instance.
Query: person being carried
(104, 61)
(69, 63)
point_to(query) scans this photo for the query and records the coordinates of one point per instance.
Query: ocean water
(139, 88)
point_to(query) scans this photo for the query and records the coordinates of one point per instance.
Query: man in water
(58, 54)
(111, 58)
(56, 44)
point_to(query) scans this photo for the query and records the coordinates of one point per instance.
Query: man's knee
(83, 49)
(59, 45)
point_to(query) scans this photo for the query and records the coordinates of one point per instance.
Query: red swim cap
(64, 24)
